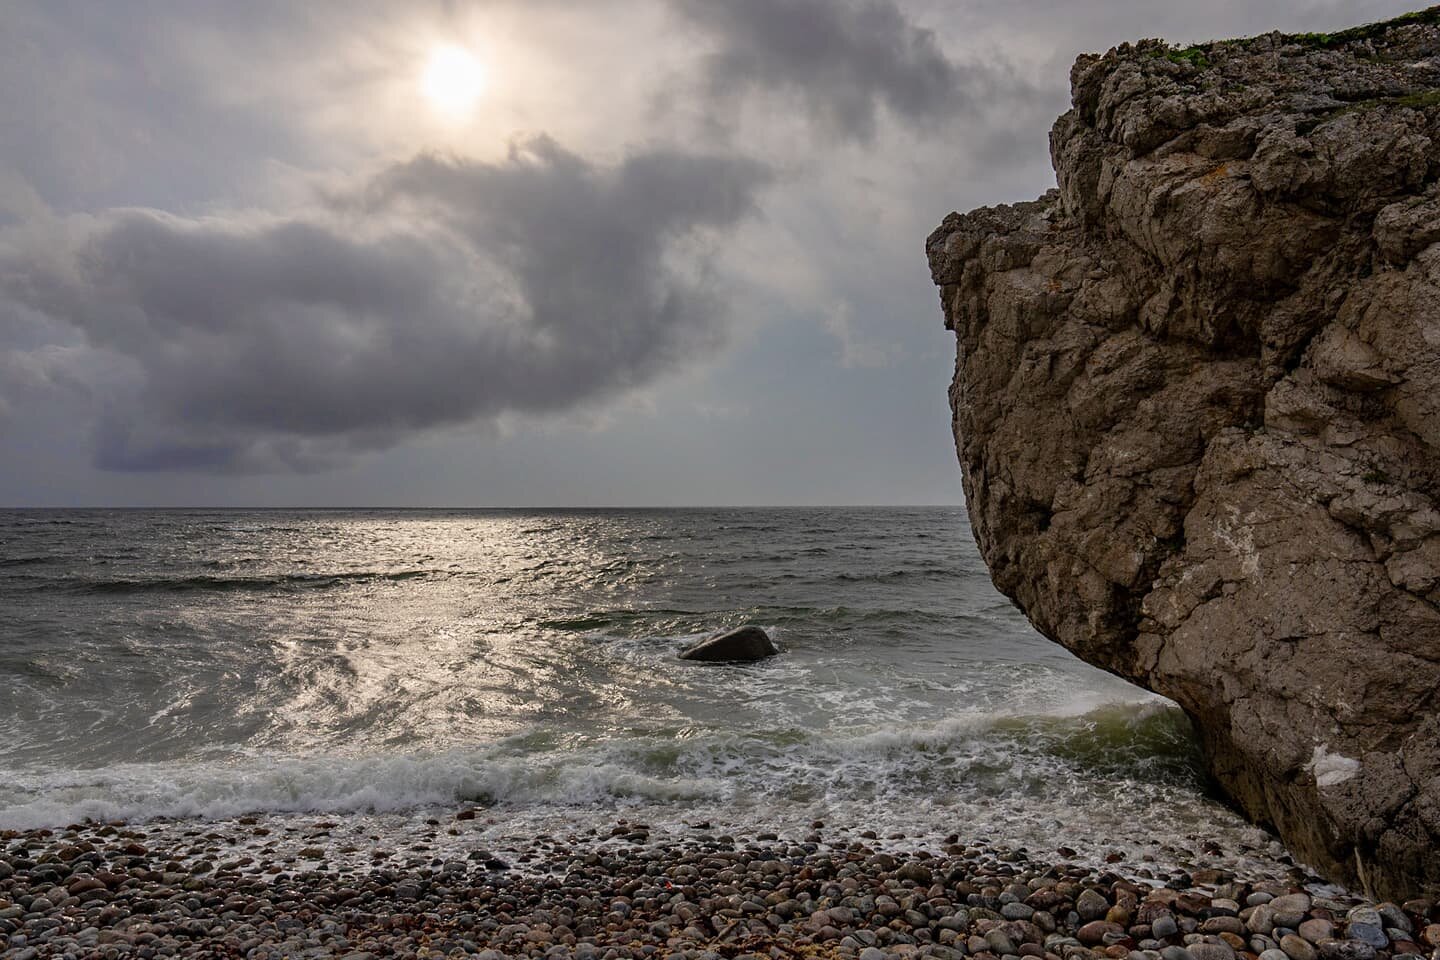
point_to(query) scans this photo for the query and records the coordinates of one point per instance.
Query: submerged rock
(1197, 403)
(742, 644)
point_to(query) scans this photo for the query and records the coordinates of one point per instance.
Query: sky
(513, 252)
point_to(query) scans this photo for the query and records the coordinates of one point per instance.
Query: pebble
(1364, 914)
(80, 893)
(1367, 933)
(1211, 951)
(1346, 950)
(1394, 916)
(1297, 947)
(1290, 909)
(1091, 905)
(1262, 919)
(1094, 932)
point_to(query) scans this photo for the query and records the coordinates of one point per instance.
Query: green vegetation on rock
(1197, 55)
(1420, 100)
(1191, 55)
(1369, 31)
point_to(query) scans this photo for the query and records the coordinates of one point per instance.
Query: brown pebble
(1093, 933)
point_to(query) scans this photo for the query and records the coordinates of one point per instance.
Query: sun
(453, 80)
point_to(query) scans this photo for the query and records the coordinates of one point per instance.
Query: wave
(1114, 753)
(364, 785)
(217, 583)
(600, 619)
(23, 561)
(891, 576)
(595, 622)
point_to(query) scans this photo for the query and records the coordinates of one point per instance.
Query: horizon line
(695, 506)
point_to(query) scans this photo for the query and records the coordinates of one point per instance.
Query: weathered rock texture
(1197, 401)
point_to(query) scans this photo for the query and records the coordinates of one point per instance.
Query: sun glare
(453, 80)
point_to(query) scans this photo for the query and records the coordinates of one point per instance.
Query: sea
(388, 667)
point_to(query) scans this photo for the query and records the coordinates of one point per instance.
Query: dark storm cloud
(445, 292)
(843, 59)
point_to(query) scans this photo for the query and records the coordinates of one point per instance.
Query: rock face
(743, 643)
(1197, 403)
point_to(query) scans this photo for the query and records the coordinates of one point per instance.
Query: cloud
(442, 292)
(844, 60)
(855, 350)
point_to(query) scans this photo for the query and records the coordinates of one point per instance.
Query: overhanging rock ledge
(1197, 404)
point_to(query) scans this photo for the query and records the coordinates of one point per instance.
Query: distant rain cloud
(444, 292)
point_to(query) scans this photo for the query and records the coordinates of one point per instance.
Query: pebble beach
(291, 887)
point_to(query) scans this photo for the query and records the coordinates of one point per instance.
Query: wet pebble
(626, 896)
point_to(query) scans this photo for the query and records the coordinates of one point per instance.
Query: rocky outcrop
(1197, 403)
(739, 645)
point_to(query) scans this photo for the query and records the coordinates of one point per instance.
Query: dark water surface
(194, 663)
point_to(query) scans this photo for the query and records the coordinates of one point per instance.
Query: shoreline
(300, 886)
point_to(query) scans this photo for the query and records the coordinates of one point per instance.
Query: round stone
(1212, 951)
(1262, 919)
(1091, 905)
(1346, 950)
(1368, 933)
(1093, 933)
(1297, 947)
(1364, 915)
(1395, 917)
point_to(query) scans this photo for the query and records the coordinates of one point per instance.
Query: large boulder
(742, 644)
(1197, 404)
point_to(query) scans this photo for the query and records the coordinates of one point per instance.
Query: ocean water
(390, 664)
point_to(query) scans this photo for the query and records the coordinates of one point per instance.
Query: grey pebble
(1347, 950)
(1211, 951)
(1368, 933)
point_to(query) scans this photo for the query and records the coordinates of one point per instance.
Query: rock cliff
(1197, 403)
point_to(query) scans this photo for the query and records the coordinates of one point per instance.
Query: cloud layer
(443, 292)
(844, 60)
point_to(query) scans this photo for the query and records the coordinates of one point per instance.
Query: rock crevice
(1197, 404)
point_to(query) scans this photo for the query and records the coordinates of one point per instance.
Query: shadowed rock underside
(1197, 403)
